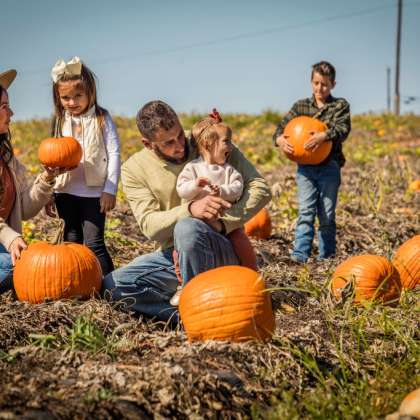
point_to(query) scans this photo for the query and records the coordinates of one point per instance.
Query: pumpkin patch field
(348, 350)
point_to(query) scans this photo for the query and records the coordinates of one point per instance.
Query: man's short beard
(171, 159)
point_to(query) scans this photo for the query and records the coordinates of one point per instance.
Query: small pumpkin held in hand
(65, 270)
(259, 226)
(227, 303)
(297, 132)
(407, 262)
(63, 152)
(368, 277)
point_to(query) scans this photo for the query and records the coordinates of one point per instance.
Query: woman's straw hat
(6, 78)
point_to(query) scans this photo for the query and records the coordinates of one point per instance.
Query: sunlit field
(327, 359)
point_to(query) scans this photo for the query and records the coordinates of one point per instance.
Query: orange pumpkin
(407, 262)
(64, 152)
(298, 131)
(227, 303)
(46, 271)
(414, 186)
(374, 277)
(410, 405)
(259, 226)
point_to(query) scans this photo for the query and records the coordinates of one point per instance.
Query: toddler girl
(211, 174)
(85, 194)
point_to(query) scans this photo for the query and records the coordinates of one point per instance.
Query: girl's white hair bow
(73, 67)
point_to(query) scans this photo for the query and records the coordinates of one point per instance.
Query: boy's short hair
(324, 68)
(153, 116)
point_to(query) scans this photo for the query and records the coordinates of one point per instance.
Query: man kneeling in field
(149, 182)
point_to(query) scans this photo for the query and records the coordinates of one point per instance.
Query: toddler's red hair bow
(215, 114)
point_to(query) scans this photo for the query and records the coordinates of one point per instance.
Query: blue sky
(241, 55)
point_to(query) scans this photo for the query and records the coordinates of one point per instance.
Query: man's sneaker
(175, 298)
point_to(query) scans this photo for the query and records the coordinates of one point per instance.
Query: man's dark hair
(324, 68)
(153, 116)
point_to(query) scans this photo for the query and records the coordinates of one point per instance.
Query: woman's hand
(16, 248)
(315, 140)
(282, 142)
(50, 174)
(107, 202)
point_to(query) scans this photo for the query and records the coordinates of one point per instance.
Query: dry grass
(72, 359)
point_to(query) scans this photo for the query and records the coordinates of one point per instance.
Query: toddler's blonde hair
(204, 132)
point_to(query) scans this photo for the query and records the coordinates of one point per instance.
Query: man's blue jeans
(317, 195)
(6, 270)
(148, 282)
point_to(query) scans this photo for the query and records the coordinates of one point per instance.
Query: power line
(233, 37)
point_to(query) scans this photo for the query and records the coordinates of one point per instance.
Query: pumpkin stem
(59, 235)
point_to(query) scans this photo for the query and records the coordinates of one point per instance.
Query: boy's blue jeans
(148, 282)
(6, 270)
(317, 195)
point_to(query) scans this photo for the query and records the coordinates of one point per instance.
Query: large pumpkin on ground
(46, 271)
(64, 152)
(259, 226)
(409, 407)
(371, 276)
(227, 303)
(407, 262)
(298, 131)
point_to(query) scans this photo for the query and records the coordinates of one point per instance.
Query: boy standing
(318, 184)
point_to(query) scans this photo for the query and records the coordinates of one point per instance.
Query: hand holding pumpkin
(50, 174)
(282, 142)
(316, 139)
(16, 248)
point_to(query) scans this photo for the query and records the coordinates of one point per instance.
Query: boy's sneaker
(174, 301)
(297, 260)
(328, 259)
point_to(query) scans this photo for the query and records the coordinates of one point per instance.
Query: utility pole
(388, 90)
(397, 63)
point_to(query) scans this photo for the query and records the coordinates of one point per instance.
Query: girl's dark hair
(87, 81)
(6, 149)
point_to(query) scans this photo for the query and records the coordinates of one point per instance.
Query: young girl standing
(85, 194)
